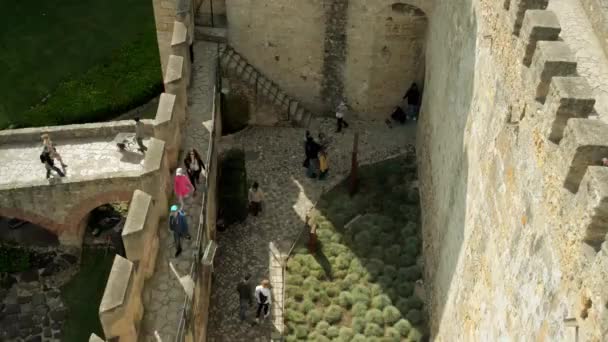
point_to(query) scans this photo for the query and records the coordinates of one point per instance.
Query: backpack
(44, 157)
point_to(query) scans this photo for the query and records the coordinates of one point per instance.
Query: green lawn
(360, 285)
(95, 58)
(83, 294)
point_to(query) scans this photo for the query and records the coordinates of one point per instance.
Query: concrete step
(211, 34)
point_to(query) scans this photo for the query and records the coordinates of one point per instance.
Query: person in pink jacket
(182, 186)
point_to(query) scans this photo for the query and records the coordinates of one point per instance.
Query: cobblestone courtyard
(274, 158)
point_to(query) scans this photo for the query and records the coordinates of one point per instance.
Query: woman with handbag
(194, 166)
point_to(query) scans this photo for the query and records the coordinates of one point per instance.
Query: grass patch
(82, 295)
(369, 293)
(76, 61)
(233, 187)
(236, 113)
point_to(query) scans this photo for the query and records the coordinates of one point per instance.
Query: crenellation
(569, 97)
(551, 59)
(538, 25)
(592, 197)
(584, 144)
(518, 8)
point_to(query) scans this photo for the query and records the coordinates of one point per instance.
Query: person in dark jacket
(312, 149)
(194, 166)
(245, 291)
(413, 98)
(178, 224)
(49, 164)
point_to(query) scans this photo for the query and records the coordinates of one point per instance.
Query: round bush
(291, 304)
(390, 271)
(323, 298)
(415, 303)
(314, 316)
(295, 292)
(403, 327)
(409, 230)
(332, 290)
(412, 245)
(391, 314)
(407, 259)
(307, 305)
(402, 305)
(374, 267)
(358, 324)
(346, 334)
(311, 282)
(359, 338)
(376, 290)
(386, 282)
(318, 337)
(301, 331)
(415, 316)
(294, 279)
(415, 335)
(381, 301)
(333, 332)
(340, 274)
(291, 338)
(393, 333)
(356, 267)
(374, 316)
(333, 314)
(411, 273)
(349, 281)
(342, 262)
(359, 309)
(376, 251)
(295, 316)
(319, 274)
(360, 296)
(345, 299)
(293, 266)
(405, 289)
(373, 330)
(322, 327)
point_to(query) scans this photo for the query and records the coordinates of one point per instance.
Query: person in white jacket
(262, 296)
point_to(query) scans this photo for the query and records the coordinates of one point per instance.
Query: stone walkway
(592, 62)
(274, 159)
(163, 295)
(84, 157)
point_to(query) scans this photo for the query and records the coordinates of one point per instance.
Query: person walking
(340, 113)
(323, 164)
(49, 164)
(312, 154)
(413, 98)
(178, 225)
(48, 146)
(139, 135)
(255, 199)
(245, 296)
(262, 296)
(182, 186)
(194, 166)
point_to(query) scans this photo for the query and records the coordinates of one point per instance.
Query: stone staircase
(292, 110)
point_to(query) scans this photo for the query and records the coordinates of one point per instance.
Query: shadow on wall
(441, 151)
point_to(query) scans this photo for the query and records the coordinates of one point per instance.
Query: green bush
(13, 259)
(381, 301)
(307, 305)
(415, 303)
(356, 267)
(314, 316)
(301, 331)
(333, 332)
(349, 281)
(311, 283)
(358, 324)
(291, 303)
(346, 334)
(360, 294)
(410, 229)
(376, 290)
(333, 314)
(345, 299)
(405, 289)
(294, 279)
(323, 298)
(386, 282)
(415, 335)
(393, 333)
(373, 330)
(402, 305)
(391, 314)
(342, 262)
(359, 309)
(411, 273)
(295, 292)
(390, 271)
(403, 327)
(322, 327)
(415, 316)
(360, 338)
(295, 316)
(374, 316)
(317, 337)
(332, 290)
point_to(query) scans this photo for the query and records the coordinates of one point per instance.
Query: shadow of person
(131, 157)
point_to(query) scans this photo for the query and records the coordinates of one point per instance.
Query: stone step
(211, 34)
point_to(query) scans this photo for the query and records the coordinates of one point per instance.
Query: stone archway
(71, 231)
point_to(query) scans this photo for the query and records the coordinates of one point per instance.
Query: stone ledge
(174, 69)
(551, 59)
(538, 25)
(133, 233)
(117, 287)
(166, 107)
(569, 97)
(180, 34)
(593, 198)
(518, 8)
(585, 143)
(154, 156)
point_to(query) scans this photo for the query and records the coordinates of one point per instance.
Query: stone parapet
(180, 47)
(551, 59)
(175, 84)
(517, 11)
(167, 128)
(592, 198)
(538, 25)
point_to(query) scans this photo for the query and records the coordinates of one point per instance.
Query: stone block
(569, 97)
(538, 25)
(518, 8)
(166, 127)
(174, 69)
(133, 233)
(585, 143)
(175, 83)
(154, 156)
(113, 310)
(180, 33)
(551, 59)
(593, 200)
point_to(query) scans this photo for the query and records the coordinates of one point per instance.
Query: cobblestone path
(163, 296)
(592, 63)
(274, 159)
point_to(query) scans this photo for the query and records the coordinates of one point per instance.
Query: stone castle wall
(368, 52)
(514, 212)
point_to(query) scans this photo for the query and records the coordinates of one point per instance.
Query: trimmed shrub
(349, 281)
(340, 274)
(358, 324)
(323, 298)
(333, 332)
(393, 333)
(307, 305)
(405, 289)
(322, 327)
(374, 316)
(373, 330)
(356, 267)
(360, 296)
(317, 337)
(295, 292)
(359, 309)
(391, 314)
(294, 279)
(291, 338)
(386, 282)
(390, 271)
(381, 301)
(291, 304)
(342, 262)
(376, 290)
(415, 316)
(407, 259)
(332, 290)
(345, 299)
(312, 283)
(301, 331)
(333, 314)
(374, 267)
(295, 316)
(360, 338)
(375, 252)
(411, 273)
(415, 335)
(408, 230)
(314, 316)
(346, 334)
(403, 327)
(402, 305)
(415, 303)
